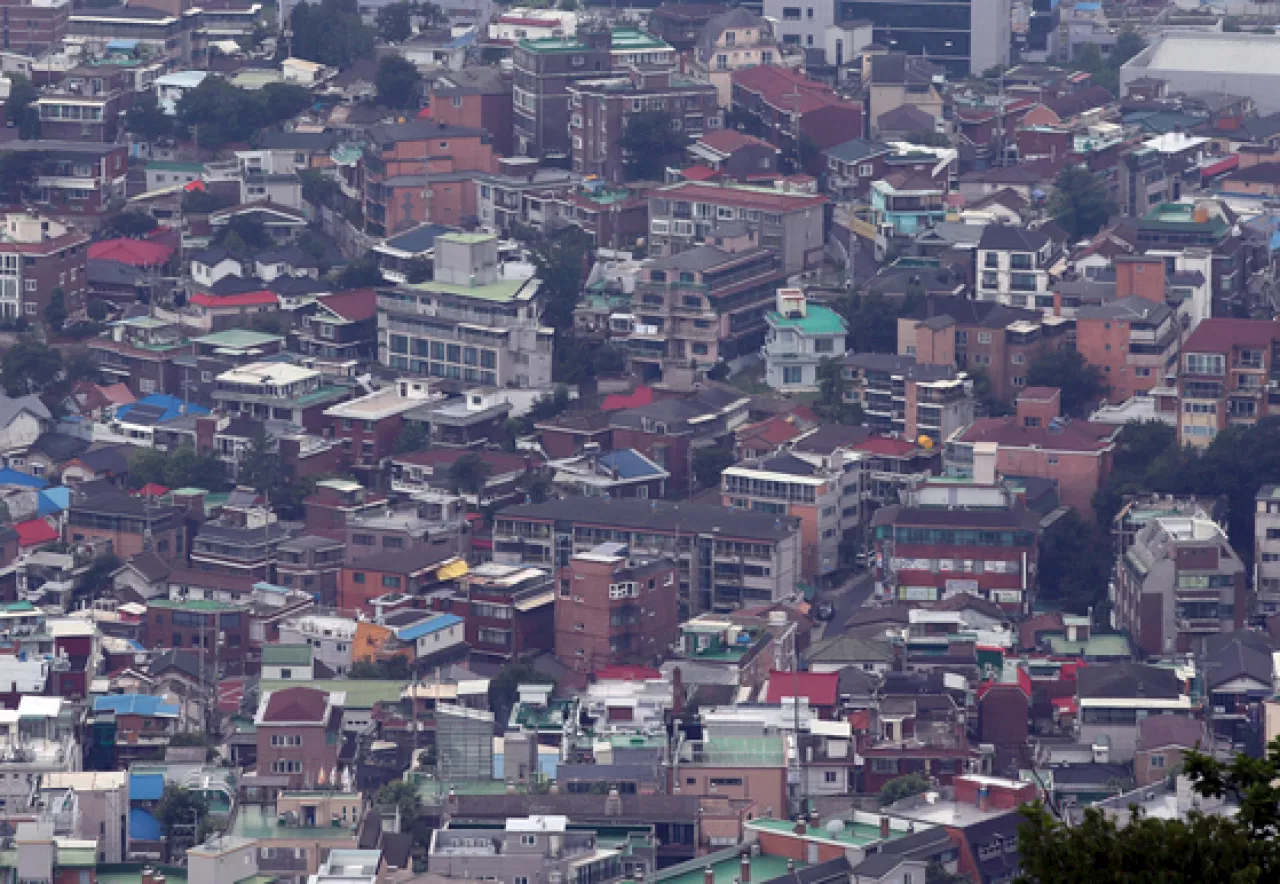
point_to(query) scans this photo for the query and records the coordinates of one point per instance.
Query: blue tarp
(9, 476)
(143, 826)
(146, 786)
(54, 500)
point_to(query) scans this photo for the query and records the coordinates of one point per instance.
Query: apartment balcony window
(1022, 282)
(992, 260)
(1021, 261)
(1249, 359)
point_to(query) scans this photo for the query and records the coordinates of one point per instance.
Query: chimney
(148, 875)
(744, 868)
(708, 875)
(801, 828)
(984, 796)
(791, 867)
(884, 827)
(613, 803)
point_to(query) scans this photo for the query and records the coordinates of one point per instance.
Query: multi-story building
(732, 41)
(311, 563)
(1036, 441)
(614, 217)
(160, 33)
(725, 558)
(903, 205)
(614, 608)
(1115, 697)
(600, 109)
(1266, 549)
(74, 179)
(278, 391)
(735, 154)
(1014, 265)
(801, 335)
(534, 847)
(813, 493)
(369, 426)
(509, 610)
(331, 639)
(794, 109)
(128, 525)
(37, 257)
(407, 572)
(31, 28)
(1133, 341)
(242, 540)
(802, 25)
(86, 105)
(968, 38)
(520, 192)
(699, 306)
(1228, 376)
(297, 730)
(471, 323)
(418, 171)
(1172, 230)
(899, 395)
(787, 222)
(1180, 581)
(475, 98)
(221, 629)
(948, 539)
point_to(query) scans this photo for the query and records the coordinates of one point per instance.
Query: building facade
(800, 336)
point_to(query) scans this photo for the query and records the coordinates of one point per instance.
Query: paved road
(848, 597)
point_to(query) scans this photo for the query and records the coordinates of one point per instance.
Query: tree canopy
(562, 263)
(130, 224)
(830, 404)
(650, 141)
(18, 106)
(216, 112)
(1075, 563)
(1105, 70)
(1082, 384)
(30, 366)
(504, 690)
(331, 32)
(183, 468)
(709, 463)
(1079, 203)
(468, 474)
(903, 787)
(146, 119)
(397, 81)
(872, 320)
(395, 22)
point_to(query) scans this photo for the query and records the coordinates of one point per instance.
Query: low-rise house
(1163, 741)
(1114, 697)
(800, 336)
(297, 730)
(410, 572)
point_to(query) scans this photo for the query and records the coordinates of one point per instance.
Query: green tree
(80, 365)
(832, 386)
(146, 119)
(284, 101)
(201, 202)
(903, 787)
(18, 170)
(130, 224)
(650, 142)
(1079, 203)
(320, 189)
(398, 81)
(562, 263)
(414, 437)
(361, 273)
(873, 321)
(719, 371)
(55, 312)
(936, 873)
(18, 106)
(1081, 383)
(1200, 848)
(1075, 563)
(97, 579)
(98, 311)
(180, 807)
(984, 395)
(468, 474)
(30, 367)
(395, 22)
(400, 796)
(245, 235)
(709, 463)
(537, 488)
(504, 690)
(177, 469)
(216, 112)
(331, 32)
(1142, 451)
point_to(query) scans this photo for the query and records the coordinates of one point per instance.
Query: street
(847, 598)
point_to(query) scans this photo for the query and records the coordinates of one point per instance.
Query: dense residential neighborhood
(670, 443)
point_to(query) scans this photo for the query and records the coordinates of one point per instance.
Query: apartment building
(1016, 266)
(732, 41)
(475, 322)
(948, 539)
(32, 27)
(1114, 698)
(1266, 549)
(278, 391)
(792, 108)
(1179, 581)
(725, 558)
(1228, 375)
(902, 396)
(613, 608)
(509, 610)
(904, 205)
(788, 222)
(86, 105)
(599, 109)
(1133, 340)
(800, 336)
(297, 730)
(1036, 441)
(38, 255)
(699, 306)
(1171, 229)
(127, 525)
(311, 563)
(1001, 340)
(74, 179)
(476, 98)
(815, 494)
(420, 171)
(539, 848)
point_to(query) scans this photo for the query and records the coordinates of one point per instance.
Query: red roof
(36, 532)
(886, 445)
(726, 141)
(151, 489)
(424, 114)
(699, 173)
(353, 305)
(779, 428)
(1220, 335)
(1023, 684)
(641, 395)
(135, 252)
(820, 688)
(230, 693)
(194, 186)
(245, 299)
(1078, 436)
(787, 88)
(1066, 704)
(627, 673)
(749, 197)
(296, 705)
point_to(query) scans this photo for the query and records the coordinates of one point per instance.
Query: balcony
(1199, 624)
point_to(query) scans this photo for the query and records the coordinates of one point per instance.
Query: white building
(800, 336)
(171, 87)
(1243, 64)
(800, 22)
(330, 639)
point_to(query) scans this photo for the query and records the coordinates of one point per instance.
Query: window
(791, 13)
(1205, 363)
(984, 337)
(529, 840)
(31, 286)
(830, 776)
(1157, 762)
(792, 374)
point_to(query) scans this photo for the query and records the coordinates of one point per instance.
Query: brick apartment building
(1036, 441)
(37, 256)
(30, 28)
(221, 628)
(509, 609)
(599, 109)
(75, 180)
(87, 104)
(298, 732)
(409, 572)
(613, 609)
(418, 171)
(1226, 373)
(128, 525)
(791, 107)
(476, 98)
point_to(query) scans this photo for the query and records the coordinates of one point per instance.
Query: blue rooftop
(134, 704)
(160, 407)
(146, 786)
(143, 826)
(54, 500)
(630, 464)
(426, 627)
(10, 476)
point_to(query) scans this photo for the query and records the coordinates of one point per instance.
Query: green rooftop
(817, 320)
(195, 605)
(853, 834)
(741, 752)
(80, 857)
(286, 655)
(621, 40)
(726, 871)
(361, 693)
(131, 873)
(238, 339)
(261, 821)
(550, 716)
(468, 239)
(504, 290)
(172, 166)
(433, 791)
(1099, 647)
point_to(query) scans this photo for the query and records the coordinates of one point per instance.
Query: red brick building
(409, 572)
(299, 732)
(1223, 372)
(222, 628)
(612, 609)
(476, 98)
(777, 95)
(30, 29)
(509, 610)
(129, 525)
(37, 256)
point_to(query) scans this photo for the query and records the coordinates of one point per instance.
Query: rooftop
(817, 320)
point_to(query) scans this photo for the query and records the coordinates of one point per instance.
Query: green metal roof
(286, 655)
(195, 605)
(361, 693)
(504, 290)
(171, 166)
(763, 868)
(238, 339)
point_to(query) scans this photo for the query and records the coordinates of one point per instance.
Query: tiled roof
(1221, 335)
(296, 704)
(247, 299)
(354, 305)
(36, 532)
(134, 252)
(1080, 436)
(819, 688)
(727, 141)
(787, 89)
